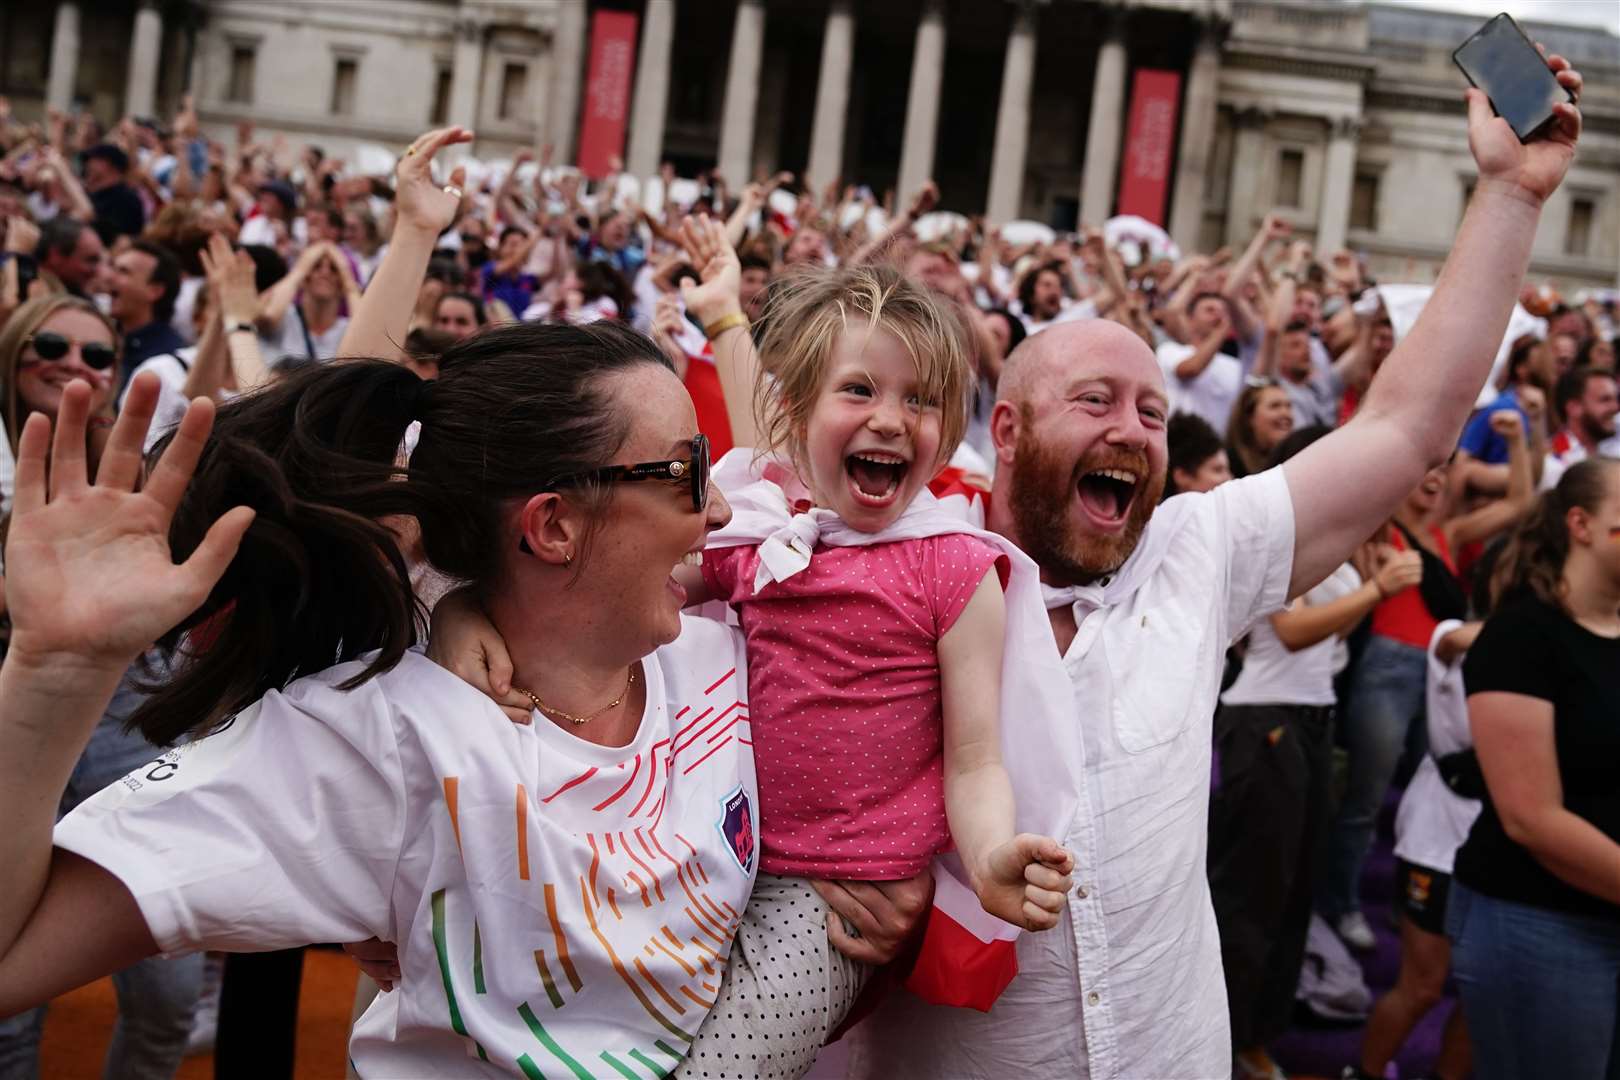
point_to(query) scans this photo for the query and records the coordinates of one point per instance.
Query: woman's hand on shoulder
(465, 643)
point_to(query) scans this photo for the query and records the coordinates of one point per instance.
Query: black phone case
(1524, 136)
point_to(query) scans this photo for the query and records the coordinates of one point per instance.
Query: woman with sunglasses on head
(48, 344)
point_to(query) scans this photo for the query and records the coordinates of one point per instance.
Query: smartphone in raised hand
(1500, 60)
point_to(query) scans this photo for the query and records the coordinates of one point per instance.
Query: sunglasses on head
(53, 346)
(693, 471)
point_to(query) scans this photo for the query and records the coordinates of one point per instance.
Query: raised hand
(230, 280)
(1533, 169)
(1506, 423)
(418, 201)
(708, 249)
(1026, 881)
(89, 577)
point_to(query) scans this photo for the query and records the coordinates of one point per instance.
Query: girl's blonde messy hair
(807, 312)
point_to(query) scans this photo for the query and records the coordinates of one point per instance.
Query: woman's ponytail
(1534, 557)
(320, 577)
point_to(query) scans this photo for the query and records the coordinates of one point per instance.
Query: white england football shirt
(561, 908)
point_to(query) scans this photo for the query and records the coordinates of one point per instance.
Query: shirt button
(1093, 997)
(1080, 891)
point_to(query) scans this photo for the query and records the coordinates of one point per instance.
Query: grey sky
(1603, 13)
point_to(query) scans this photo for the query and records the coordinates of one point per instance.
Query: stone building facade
(1345, 116)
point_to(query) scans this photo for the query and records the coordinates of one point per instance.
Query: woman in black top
(1535, 908)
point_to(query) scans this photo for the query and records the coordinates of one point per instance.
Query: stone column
(1012, 121)
(140, 87)
(1248, 166)
(567, 75)
(742, 77)
(64, 57)
(1101, 169)
(922, 101)
(466, 74)
(832, 97)
(1338, 180)
(651, 102)
(1197, 139)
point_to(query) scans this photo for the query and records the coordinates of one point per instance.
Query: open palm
(89, 571)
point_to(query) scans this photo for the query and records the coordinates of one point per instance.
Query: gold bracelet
(724, 323)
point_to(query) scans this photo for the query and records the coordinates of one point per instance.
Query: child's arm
(1023, 879)
(465, 643)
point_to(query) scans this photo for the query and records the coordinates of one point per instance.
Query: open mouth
(1107, 493)
(874, 476)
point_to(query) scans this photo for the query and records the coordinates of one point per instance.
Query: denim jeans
(1541, 989)
(156, 996)
(1386, 694)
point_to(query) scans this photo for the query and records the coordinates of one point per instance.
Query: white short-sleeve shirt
(1433, 821)
(1211, 393)
(1129, 984)
(556, 903)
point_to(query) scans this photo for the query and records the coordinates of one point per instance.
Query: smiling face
(871, 442)
(324, 281)
(649, 528)
(1081, 427)
(133, 291)
(40, 382)
(1423, 499)
(1271, 419)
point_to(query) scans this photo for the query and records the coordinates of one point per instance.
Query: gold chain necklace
(615, 703)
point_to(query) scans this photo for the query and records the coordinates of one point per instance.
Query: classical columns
(1248, 152)
(922, 100)
(466, 74)
(1197, 138)
(742, 75)
(832, 97)
(1012, 120)
(1338, 179)
(64, 57)
(652, 89)
(140, 87)
(567, 75)
(1101, 167)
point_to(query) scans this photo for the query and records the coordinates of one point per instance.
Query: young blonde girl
(875, 624)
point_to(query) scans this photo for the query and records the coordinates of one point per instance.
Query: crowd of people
(1080, 553)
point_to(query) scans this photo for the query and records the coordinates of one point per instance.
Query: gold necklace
(615, 703)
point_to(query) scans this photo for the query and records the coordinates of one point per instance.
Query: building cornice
(1348, 67)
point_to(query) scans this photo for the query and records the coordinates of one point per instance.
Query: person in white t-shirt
(563, 891)
(1130, 984)
(1204, 380)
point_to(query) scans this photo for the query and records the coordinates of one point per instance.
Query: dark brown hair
(1535, 553)
(320, 578)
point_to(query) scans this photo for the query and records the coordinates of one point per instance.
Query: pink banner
(1144, 171)
(607, 91)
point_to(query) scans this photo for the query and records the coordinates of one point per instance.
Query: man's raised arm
(1344, 485)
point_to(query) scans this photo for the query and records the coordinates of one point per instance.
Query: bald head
(1067, 348)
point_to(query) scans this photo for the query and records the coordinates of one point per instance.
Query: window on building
(514, 92)
(1290, 177)
(441, 96)
(1578, 236)
(1364, 202)
(243, 61)
(345, 73)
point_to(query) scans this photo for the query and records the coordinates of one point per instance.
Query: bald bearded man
(1144, 602)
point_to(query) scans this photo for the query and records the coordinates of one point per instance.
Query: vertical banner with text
(1150, 140)
(607, 91)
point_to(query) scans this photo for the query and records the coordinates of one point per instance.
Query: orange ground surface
(79, 1026)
